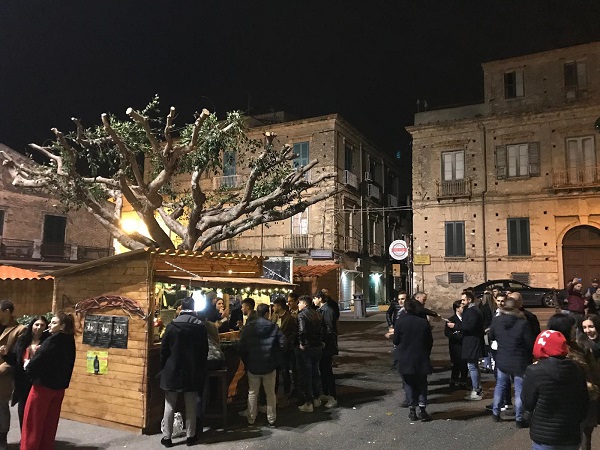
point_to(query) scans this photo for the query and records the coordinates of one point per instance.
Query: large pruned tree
(157, 166)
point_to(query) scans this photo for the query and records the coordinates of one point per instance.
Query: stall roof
(16, 273)
(317, 270)
(169, 260)
(224, 282)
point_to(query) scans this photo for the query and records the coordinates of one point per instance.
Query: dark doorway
(53, 240)
(581, 254)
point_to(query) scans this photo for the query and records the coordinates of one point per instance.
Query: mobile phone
(579, 279)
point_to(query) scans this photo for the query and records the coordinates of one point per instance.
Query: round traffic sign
(398, 250)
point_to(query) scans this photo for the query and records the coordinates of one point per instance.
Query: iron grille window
(456, 277)
(518, 237)
(455, 239)
(523, 277)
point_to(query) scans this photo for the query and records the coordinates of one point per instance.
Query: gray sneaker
(473, 396)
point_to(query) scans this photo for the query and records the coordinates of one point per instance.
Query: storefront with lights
(116, 300)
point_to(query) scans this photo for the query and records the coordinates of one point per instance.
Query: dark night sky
(367, 60)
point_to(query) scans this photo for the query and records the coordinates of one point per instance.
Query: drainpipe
(485, 188)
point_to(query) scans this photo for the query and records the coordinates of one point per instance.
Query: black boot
(424, 415)
(412, 414)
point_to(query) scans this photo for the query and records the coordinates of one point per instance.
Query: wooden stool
(223, 388)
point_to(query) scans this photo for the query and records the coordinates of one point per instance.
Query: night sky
(369, 60)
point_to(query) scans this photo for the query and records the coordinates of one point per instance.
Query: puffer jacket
(515, 341)
(329, 330)
(554, 391)
(309, 328)
(261, 346)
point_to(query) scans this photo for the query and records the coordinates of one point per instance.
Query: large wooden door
(581, 254)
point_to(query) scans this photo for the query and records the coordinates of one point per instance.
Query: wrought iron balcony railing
(454, 188)
(297, 242)
(576, 178)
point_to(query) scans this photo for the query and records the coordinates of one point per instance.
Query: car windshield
(517, 285)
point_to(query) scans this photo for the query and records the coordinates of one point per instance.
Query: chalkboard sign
(90, 330)
(119, 332)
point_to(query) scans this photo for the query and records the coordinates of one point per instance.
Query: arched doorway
(581, 254)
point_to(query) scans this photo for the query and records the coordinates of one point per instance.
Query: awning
(16, 273)
(317, 270)
(225, 282)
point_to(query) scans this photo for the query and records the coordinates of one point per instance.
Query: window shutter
(500, 162)
(534, 159)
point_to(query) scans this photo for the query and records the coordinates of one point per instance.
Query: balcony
(454, 189)
(375, 249)
(297, 243)
(36, 250)
(231, 245)
(347, 244)
(228, 182)
(392, 200)
(373, 192)
(350, 179)
(576, 178)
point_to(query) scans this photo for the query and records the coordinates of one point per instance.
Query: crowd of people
(37, 362)
(292, 341)
(555, 374)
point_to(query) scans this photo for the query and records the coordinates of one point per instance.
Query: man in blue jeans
(472, 344)
(512, 332)
(308, 354)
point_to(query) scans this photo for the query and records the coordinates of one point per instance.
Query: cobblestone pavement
(369, 415)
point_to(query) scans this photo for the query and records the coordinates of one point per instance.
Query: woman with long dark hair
(25, 348)
(50, 370)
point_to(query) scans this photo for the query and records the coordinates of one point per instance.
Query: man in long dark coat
(183, 353)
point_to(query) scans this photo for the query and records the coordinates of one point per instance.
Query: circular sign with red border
(398, 250)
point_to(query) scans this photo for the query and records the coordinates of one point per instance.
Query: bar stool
(223, 388)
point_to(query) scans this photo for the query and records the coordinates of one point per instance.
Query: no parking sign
(398, 250)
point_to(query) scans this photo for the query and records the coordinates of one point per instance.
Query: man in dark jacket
(473, 343)
(183, 353)
(458, 374)
(308, 354)
(532, 319)
(330, 349)
(515, 342)
(261, 349)
(414, 341)
(289, 327)
(555, 392)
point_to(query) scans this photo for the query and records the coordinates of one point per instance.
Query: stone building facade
(511, 187)
(38, 234)
(349, 232)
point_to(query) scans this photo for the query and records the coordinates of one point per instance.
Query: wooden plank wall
(30, 297)
(117, 398)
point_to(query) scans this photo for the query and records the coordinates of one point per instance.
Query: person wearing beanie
(555, 393)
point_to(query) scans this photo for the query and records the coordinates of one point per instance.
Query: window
(518, 160)
(575, 79)
(453, 165)
(301, 152)
(455, 239)
(518, 237)
(300, 223)
(513, 84)
(349, 150)
(523, 277)
(229, 162)
(456, 277)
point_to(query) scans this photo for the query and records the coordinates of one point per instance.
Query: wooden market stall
(114, 381)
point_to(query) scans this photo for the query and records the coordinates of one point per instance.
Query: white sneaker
(331, 403)
(307, 407)
(316, 402)
(473, 396)
(324, 398)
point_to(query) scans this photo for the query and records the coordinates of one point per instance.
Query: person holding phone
(575, 300)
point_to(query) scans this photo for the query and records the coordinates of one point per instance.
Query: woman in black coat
(413, 341)
(27, 345)
(455, 337)
(50, 370)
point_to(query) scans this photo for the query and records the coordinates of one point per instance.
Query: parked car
(532, 296)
